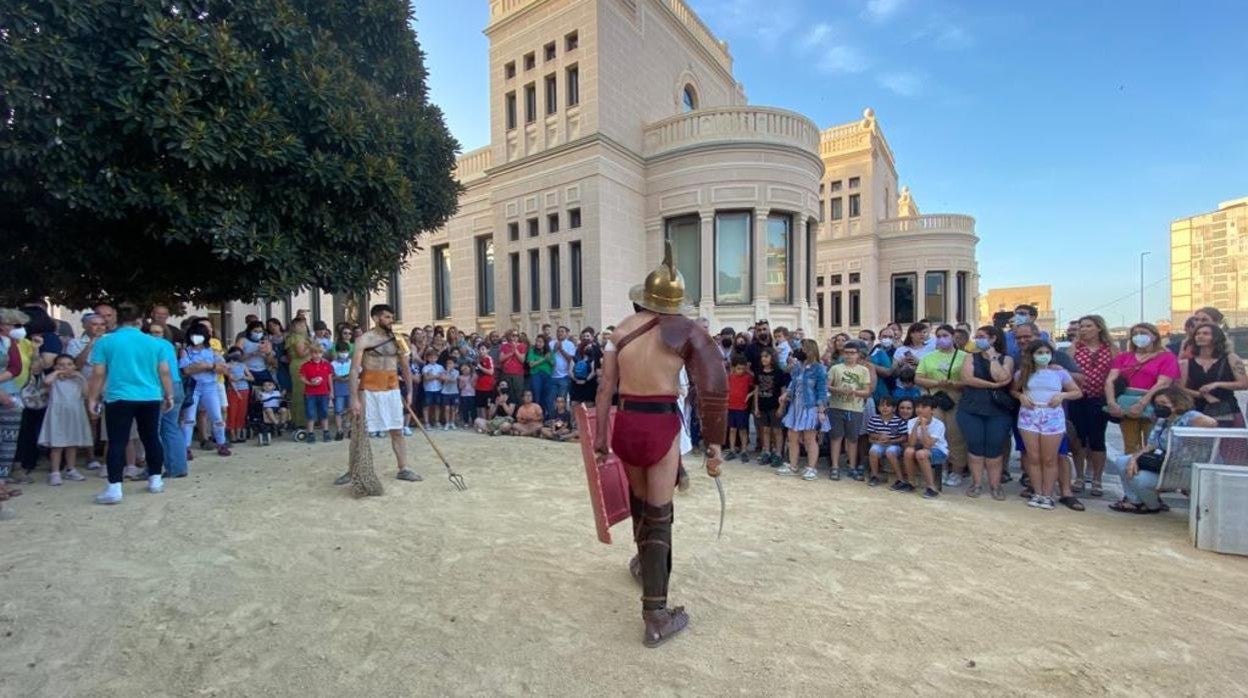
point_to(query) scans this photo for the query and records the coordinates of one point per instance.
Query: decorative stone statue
(906, 208)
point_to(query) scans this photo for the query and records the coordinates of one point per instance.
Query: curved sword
(722, 506)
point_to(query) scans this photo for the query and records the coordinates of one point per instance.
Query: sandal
(1027, 493)
(1125, 507)
(1076, 487)
(998, 492)
(1096, 490)
(1072, 503)
(974, 490)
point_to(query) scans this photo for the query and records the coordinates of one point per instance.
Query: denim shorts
(433, 399)
(317, 407)
(884, 450)
(341, 403)
(939, 457)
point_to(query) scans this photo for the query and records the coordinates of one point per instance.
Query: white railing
(852, 137)
(731, 124)
(700, 32)
(501, 8)
(932, 222)
(473, 164)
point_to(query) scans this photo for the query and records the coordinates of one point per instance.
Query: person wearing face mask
(1023, 314)
(940, 373)
(762, 341)
(201, 366)
(881, 361)
(14, 366)
(726, 336)
(985, 411)
(1134, 378)
(1139, 468)
(1041, 387)
(1093, 353)
(257, 352)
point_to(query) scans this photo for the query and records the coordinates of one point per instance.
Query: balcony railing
(472, 165)
(501, 8)
(731, 125)
(689, 18)
(929, 223)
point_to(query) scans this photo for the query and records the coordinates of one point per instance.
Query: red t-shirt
(318, 369)
(485, 383)
(739, 385)
(511, 365)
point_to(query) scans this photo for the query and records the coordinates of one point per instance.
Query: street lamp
(1142, 256)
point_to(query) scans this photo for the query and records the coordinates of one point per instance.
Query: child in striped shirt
(887, 434)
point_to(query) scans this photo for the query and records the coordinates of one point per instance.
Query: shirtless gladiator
(380, 357)
(644, 359)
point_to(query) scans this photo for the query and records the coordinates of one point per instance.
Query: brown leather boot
(662, 624)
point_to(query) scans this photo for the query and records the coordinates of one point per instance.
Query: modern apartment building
(1209, 263)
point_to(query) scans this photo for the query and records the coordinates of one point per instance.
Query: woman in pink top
(511, 358)
(1146, 370)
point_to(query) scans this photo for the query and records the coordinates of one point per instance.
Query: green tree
(213, 150)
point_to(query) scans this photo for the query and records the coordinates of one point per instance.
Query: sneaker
(407, 431)
(94, 465)
(21, 478)
(325, 436)
(953, 480)
(1035, 501)
(106, 498)
(873, 482)
(338, 436)
(54, 479)
(745, 457)
(190, 455)
(730, 455)
(834, 474)
(899, 486)
(786, 469)
(155, 484)
(1046, 503)
(132, 472)
(73, 474)
(809, 474)
(223, 451)
(930, 493)
(858, 474)
(344, 479)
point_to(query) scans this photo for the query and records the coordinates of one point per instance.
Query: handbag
(1150, 462)
(944, 403)
(1002, 398)
(1130, 398)
(34, 394)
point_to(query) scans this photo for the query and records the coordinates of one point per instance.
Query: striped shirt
(894, 428)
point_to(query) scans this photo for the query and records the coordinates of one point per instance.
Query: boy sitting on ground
(926, 447)
(559, 426)
(887, 433)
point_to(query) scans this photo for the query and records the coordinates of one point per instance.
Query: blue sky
(1074, 132)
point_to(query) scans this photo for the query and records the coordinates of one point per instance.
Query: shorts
(383, 410)
(939, 457)
(450, 400)
(433, 399)
(1046, 421)
(845, 424)
(738, 419)
(316, 406)
(767, 418)
(884, 450)
(483, 398)
(341, 403)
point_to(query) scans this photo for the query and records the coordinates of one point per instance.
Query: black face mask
(726, 343)
(799, 355)
(1162, 411)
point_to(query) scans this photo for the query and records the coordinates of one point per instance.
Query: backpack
(580, 370)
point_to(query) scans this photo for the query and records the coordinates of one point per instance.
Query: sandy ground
(256, 577)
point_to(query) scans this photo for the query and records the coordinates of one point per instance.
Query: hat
(663, 291)
(13, 316)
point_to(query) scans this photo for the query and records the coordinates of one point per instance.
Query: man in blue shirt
(1023, 315)
(564, 352)
(133, 374)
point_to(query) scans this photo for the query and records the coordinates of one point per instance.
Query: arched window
(689, 98)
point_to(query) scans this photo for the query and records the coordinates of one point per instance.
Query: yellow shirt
(26, 348)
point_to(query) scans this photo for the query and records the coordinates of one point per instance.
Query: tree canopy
(214, 150)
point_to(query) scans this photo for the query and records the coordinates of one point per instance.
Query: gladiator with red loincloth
(644, 359)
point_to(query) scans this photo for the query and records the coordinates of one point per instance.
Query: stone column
(801, 280)
(762, 307)
(706, 306)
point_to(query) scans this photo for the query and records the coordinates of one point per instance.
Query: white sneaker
(786, 469)
(1046, 503)
(953, 480)
(155, 484)
(131, 472)
(407, 431)
(1036, 501)
(73, 474)
(106, 498)
(94, 465)
(809, 474)
(54, 479)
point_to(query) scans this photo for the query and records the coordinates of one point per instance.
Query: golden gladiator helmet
(664, 289)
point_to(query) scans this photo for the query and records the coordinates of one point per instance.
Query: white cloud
(882, 10)
(901, 83)
(738, 20)
(842, 58)
(817, 35)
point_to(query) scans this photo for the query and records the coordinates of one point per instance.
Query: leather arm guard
(705, 366)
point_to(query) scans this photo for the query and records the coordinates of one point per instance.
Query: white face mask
(343, 357)
(197, 339)
(17, 334)
(1142, 340)
(256, 336)
(886, 342)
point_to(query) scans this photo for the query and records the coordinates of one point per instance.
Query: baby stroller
(256, 426)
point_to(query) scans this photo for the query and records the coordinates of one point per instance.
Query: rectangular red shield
(608, 484)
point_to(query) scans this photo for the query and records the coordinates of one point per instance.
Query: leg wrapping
(654, 542)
